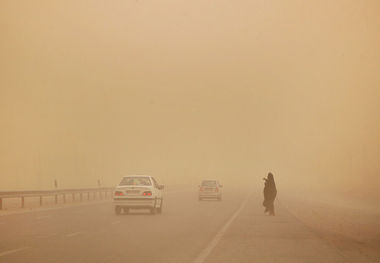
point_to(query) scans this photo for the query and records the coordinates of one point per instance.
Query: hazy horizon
(186, 90)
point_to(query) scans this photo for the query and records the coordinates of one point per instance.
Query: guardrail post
(56, 199)
(100, 195)
(22, 202)
(81, 196)
(73, 197)
(64, 198)
(1, 203)
(88, 196)
(40, 200)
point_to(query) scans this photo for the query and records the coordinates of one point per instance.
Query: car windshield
(135, 181)
(209, 183)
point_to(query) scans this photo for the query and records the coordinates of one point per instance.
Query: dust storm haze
(91, 91)
(186, 90)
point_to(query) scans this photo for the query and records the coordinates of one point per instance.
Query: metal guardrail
(96, 193)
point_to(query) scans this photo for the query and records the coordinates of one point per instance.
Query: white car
(138, 192)
(210, 189)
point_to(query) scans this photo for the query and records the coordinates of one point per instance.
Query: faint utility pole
(39, 168)
(56, 184)
(99, 183)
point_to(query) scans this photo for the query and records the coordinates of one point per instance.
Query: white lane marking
(73, 234)
(116, 222)
(207, 251)
(42, 217)
(13, 251)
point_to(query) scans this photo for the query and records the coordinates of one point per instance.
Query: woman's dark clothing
(270, 193)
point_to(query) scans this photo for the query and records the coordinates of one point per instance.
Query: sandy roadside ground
(347, 219)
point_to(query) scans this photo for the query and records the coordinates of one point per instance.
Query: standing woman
(270, 193)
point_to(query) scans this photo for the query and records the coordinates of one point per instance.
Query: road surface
(233, 230)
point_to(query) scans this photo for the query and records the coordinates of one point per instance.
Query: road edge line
(214, 242)
(4, 253)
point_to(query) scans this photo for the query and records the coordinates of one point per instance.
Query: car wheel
(200, 198)
(126, 210)
(117, 210)
(159, 210)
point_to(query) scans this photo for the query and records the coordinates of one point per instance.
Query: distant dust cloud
(186, 90)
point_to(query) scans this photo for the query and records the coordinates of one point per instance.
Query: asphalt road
(233, 230)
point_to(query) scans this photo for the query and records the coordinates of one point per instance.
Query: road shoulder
(255, 237)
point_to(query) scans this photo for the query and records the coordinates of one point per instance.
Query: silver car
(210, 189)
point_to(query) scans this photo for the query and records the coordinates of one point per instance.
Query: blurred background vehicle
(210, 189)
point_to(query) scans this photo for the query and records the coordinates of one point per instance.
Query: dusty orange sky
(189, 89)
